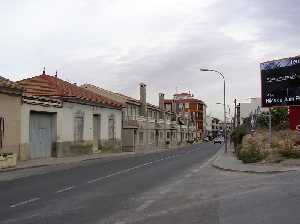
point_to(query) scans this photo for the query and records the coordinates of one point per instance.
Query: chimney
(143, 110)
(161, 101)
(174, 110)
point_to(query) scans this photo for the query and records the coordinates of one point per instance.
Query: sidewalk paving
(229, 162)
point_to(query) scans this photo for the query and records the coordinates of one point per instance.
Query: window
(168, 135)
(161, 135)
(152, 136)
(111, 127)
(181, 106)
(78, 127)
(168, 107)
(1, 132)
(141, 137)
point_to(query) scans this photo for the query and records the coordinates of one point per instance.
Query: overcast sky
(116, 44)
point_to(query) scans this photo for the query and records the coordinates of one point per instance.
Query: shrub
(252, 153)
(237, 137)
(280, 119)
(290, 153)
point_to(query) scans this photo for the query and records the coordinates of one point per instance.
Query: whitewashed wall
(65, 121)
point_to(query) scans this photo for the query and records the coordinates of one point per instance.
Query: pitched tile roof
(51, 86)
(97, 89)
(10, 86)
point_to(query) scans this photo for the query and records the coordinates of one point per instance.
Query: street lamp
(225, 131)
(229, 117)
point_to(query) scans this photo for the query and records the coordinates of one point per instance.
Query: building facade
(246, 109)
(62, 119)
(10, 116)
(191, 112)
(146, 126)
(216, 127)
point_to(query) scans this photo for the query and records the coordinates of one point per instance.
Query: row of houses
(45, 116)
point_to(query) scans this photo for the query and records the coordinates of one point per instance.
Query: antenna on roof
(44, 71)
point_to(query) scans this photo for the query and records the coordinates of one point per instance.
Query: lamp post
(224, 98)
(228, 117)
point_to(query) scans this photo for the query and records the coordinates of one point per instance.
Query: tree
(280, 118)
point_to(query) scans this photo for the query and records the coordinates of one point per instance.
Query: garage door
(41, 135)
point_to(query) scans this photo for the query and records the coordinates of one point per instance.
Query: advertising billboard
(280, 82)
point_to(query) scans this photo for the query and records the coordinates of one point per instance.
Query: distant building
(192, 111)
(146, 126)
(245, 110)
(215, 127)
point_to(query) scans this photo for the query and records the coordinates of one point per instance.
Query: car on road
(206, 139)
(218, 140)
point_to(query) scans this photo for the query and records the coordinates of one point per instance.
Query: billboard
(280, 82)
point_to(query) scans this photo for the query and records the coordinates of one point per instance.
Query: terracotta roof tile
(10, 85)
(51, 86)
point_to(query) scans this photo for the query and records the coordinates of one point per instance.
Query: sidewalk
(228, 161)
(75, 159)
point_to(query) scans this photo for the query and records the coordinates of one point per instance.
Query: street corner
(228, 162)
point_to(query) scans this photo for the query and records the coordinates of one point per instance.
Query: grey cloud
(116, 46)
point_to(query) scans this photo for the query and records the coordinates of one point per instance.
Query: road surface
(177, 186)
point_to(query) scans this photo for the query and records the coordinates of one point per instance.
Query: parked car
(218, 140)
(206, 139)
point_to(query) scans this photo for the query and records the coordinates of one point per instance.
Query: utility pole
(270, 126)
(234, 121)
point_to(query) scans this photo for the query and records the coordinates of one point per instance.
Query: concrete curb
(227, 162)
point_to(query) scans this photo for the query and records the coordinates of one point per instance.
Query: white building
(248, 108)
(61, 119)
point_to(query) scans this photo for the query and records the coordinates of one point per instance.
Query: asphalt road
(174, 187)
(95, 190)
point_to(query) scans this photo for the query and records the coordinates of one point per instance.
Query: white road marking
(195, 170)
(116, 173)
(187, 175)
(145, 205)
(120, 222)
(128, 170)
(24, 202)
(64, 189)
